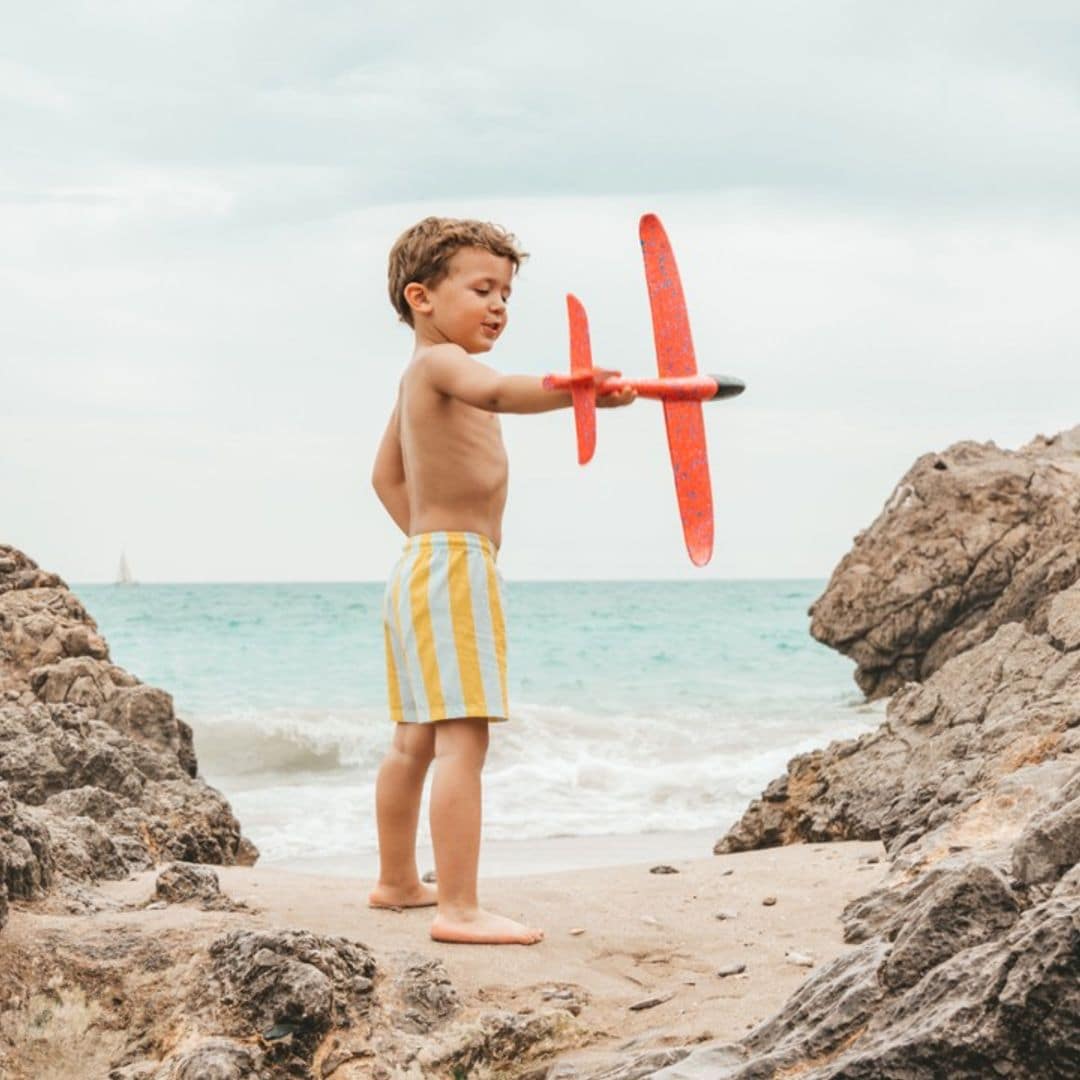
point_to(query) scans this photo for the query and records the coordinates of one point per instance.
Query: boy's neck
(425, 335)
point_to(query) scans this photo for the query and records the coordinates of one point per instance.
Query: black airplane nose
(727, 386)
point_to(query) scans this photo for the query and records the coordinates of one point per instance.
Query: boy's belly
(461, 516)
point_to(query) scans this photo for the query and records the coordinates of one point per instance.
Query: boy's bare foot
(481, 927)
(385, 896)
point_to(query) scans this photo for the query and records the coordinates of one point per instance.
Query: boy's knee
(467, 735)
(415, 756)
(414, 743)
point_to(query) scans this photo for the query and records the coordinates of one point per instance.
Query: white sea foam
(279, 742)
(302, 781)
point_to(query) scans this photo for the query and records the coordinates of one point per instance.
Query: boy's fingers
(616, 398)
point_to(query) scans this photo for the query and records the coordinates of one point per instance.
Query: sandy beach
(641, 935)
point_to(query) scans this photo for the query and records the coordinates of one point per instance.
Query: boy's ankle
(399, 884)
(451, 910)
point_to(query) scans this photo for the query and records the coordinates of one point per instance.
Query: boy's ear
(416, 296)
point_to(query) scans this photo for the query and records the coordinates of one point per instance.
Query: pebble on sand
(577, 930)
(651, 1002)
(722, 915)
(769, 901)
(663, 868)
(730, 969)
(799, 958)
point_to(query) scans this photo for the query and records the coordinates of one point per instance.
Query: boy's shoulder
(430, 360)
(444, 350)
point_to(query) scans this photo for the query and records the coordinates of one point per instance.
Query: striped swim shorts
(444, 629)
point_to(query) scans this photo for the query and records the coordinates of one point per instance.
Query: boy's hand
(614, 398)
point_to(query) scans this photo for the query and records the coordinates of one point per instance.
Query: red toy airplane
(680, 387)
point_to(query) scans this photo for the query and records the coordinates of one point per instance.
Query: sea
(639, 707)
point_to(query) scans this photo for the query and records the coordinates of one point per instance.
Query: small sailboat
(123, 573)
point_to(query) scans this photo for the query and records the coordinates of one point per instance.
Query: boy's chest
(488, 445)
(457, 436)
(479, 428)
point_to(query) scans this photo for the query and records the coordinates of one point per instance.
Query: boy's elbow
(381, 483)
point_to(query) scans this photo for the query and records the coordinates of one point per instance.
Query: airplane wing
(582, 390)
(683, 419)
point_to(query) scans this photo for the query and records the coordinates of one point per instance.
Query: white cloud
(21, 85)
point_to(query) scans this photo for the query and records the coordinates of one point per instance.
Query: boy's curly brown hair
(422, 253)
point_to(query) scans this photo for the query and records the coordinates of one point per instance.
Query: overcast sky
(875, 208)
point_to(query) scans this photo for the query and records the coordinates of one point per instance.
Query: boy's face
(468, 307)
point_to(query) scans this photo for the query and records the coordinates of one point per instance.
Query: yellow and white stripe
(445, 630)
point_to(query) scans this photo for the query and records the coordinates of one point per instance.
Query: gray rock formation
(971, 539)
(428, 998)
(1005, 1007)
(288, 986)
(985, 741)
(258, 1003)
(962, 601)
(212, 1059)
(98, 776)
(183, 882)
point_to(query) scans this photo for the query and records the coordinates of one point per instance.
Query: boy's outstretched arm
(388, 474)
(452, 371)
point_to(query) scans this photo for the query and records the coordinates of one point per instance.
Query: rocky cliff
(970, 540)
(98, 776)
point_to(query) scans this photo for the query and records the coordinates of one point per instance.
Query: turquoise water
(639, 706)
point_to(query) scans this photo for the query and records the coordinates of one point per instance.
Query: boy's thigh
(461, 735)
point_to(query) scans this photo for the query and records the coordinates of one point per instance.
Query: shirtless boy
(441, 473)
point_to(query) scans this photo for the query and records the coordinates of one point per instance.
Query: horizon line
(516, 580)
